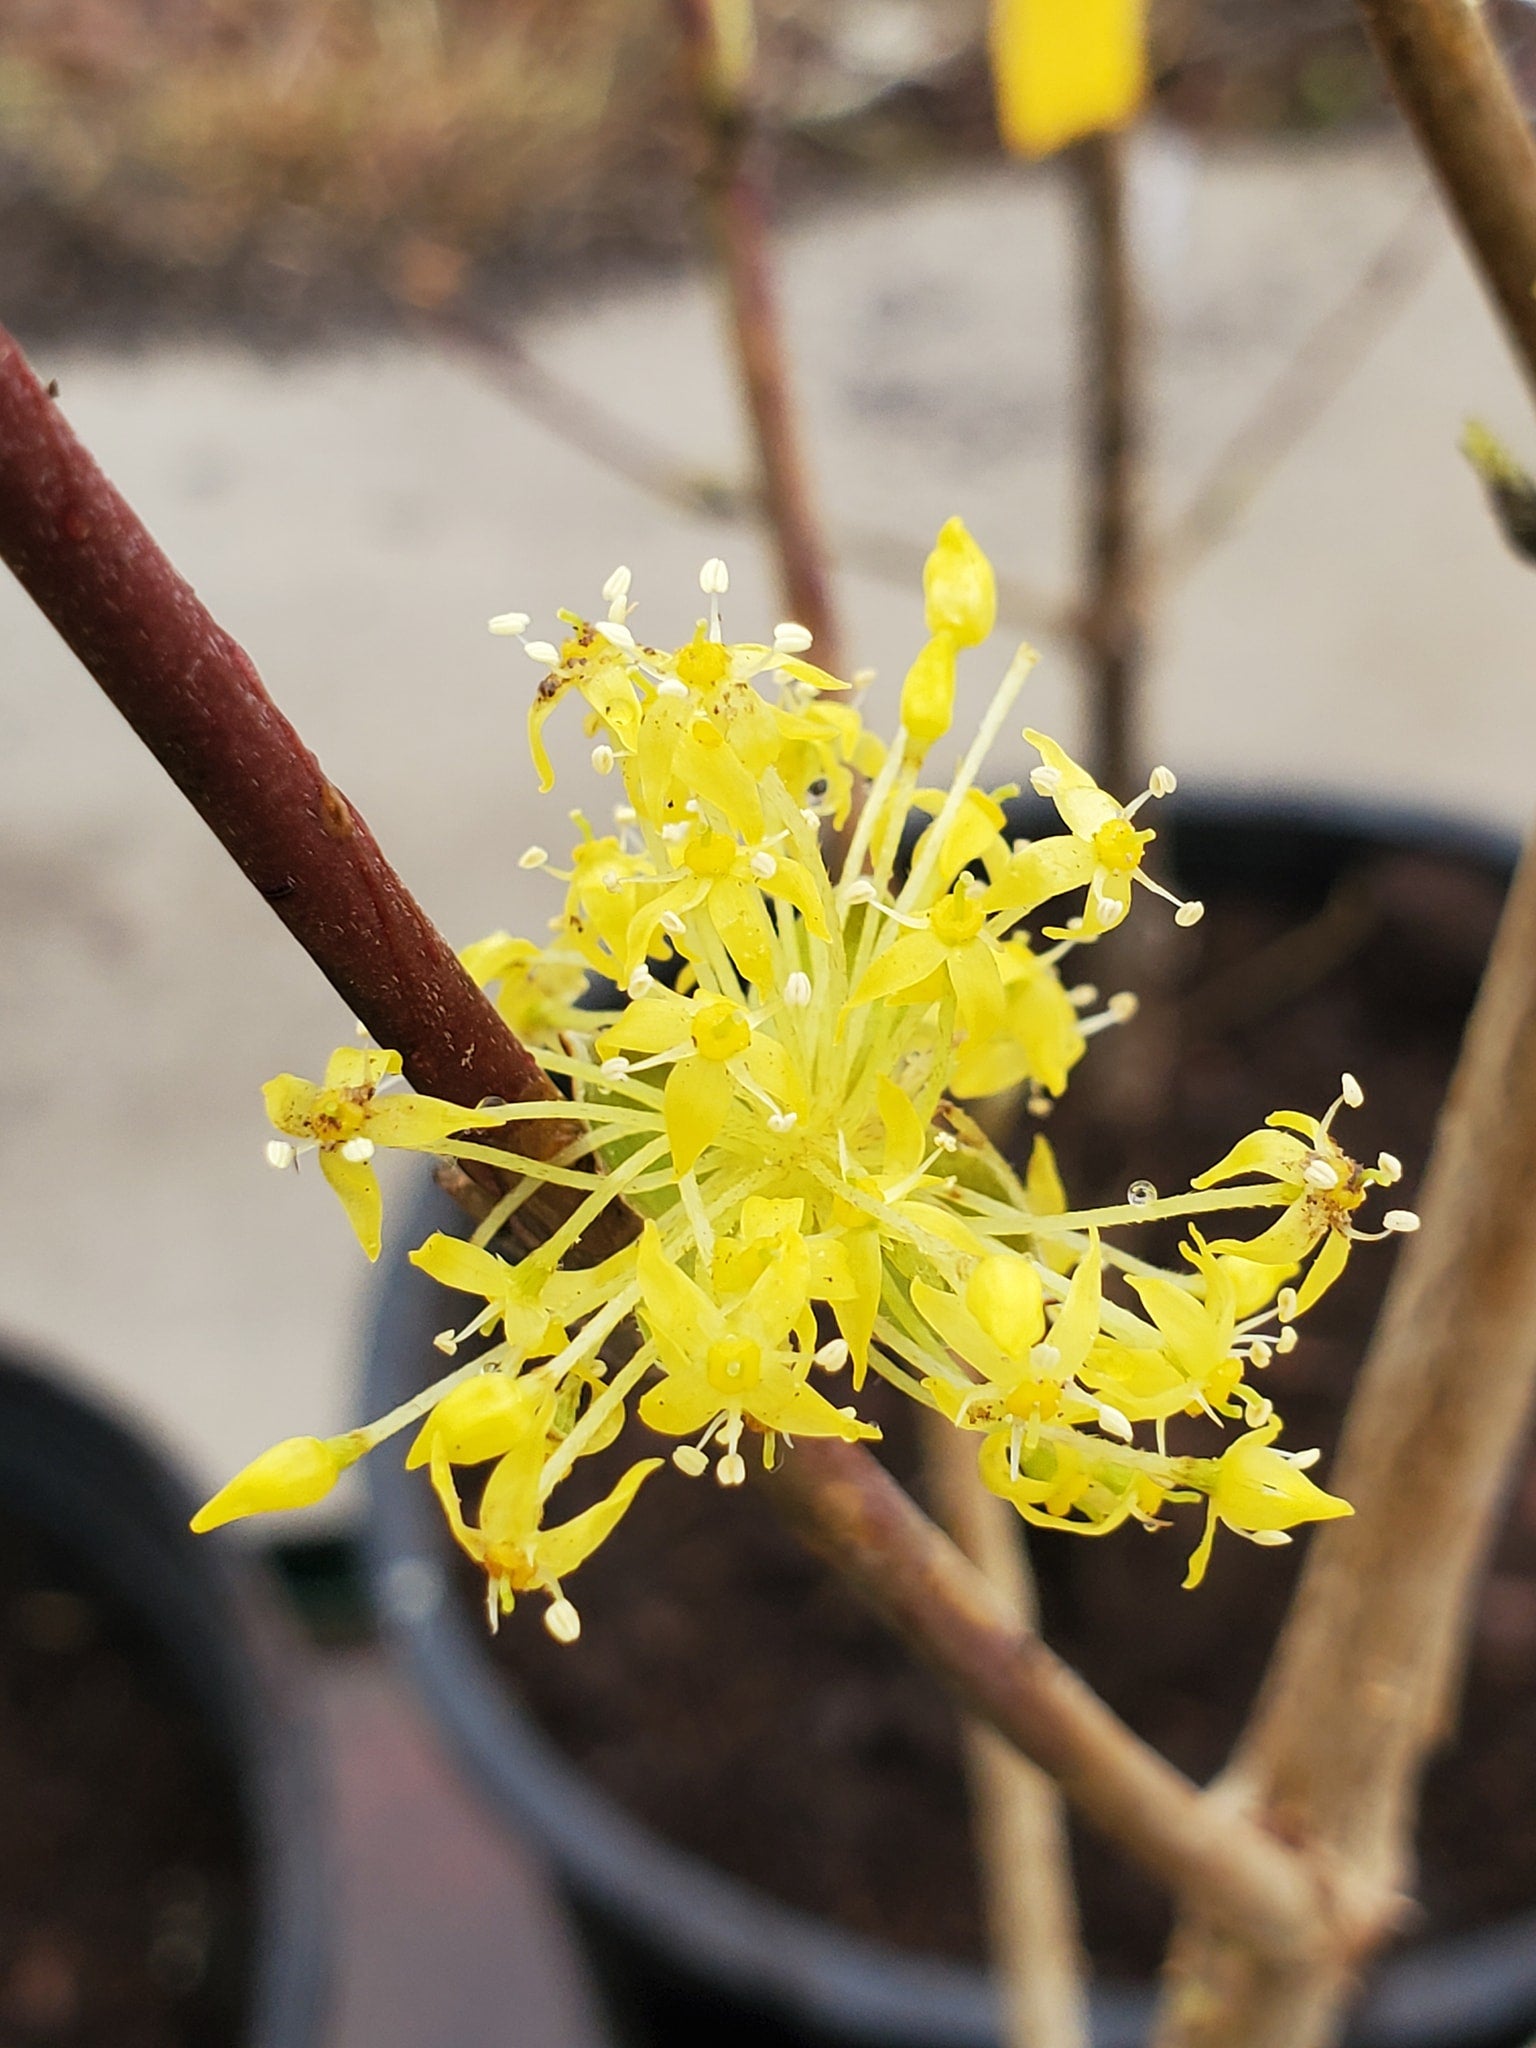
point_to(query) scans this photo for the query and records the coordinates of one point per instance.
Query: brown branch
(1451, 84)
(1019, 1818)
(733, 184)
(193, 696)
(849, 1510)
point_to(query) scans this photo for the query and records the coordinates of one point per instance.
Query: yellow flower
(724, 1366)
(524, 1299)
(1322, 1186)
(510, 1544)
(1258, 1492)
(1065, 68)
(950, 949)
(293, 1474)
(717, 1057)
(538, 992)
(347, 1117)
(1074, 1482)
(1101, 850)
(1040, 1039)
(728, 881)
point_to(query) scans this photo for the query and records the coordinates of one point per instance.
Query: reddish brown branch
(734, 186)
(193, 696)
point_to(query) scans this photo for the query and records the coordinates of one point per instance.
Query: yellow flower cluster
(796, 998)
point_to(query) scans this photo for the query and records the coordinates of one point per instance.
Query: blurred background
(388, 315)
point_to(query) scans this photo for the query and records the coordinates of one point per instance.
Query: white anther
(616, 633)
(1107, 909)
(860, 890)
(781, 1121)
(617, 585)
(1084, 996)
(544, 652)
(357, 1151)
(1162, 782)
(1045, 1359)
(1302, 1460)
(832, 1356)
(1351, 1090)
(507, 625)
(1188, 914)
(1123, 1006)
(788, 638)
(671, 923)
(1390, 1167)
(603, 758)
(533, 857)
(714, 578)
(1114, 1422)
(670, 686)
(1288, 1339)
(946, 1141)
(732, 1469)
(1320, 1173)
(280, 1154)
(1401, 1222)
(639, 983)
(812, 818)
(1259, 1353)
(689, 1459)
(447, 1342)
(624, 814)
(615, 1069)
(797, 990)
(562, 1621)
(1045, 781)
(763, 865)
(1285, 1308)
(679, 829)
(1269, 1539)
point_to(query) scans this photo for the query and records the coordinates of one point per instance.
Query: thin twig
(1020, 1821)
(1329, 355)
(1112, 621)
(193, 695)
(716, 38)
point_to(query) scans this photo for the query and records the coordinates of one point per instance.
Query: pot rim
(1461, 1989)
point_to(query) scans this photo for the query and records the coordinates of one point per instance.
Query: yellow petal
(466, 1267)
(293, 1474)
(978, 988)
(781, 1402)
(1065, 68)
(359, 1066)
(561, 1550)
(903, 965)
(856, 1313)
(1083, 806)
(1275, 1154)
(680, 1315)
(1003, 1293)
(357, 1186)
(1077, 1323)
(290, 1103)
(679, 1405)
(906, 1135)
(481, 1419)
(694, 1104)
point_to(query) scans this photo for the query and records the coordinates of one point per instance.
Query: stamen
(1045, 781)
(671, 686)
(617, 585)
(508, 625)
(639, 983)
(533, 857)
(616, 633)
(1401, 1222)
(1288, 1339)
(788, 638)
(447, 1342)
(797, 990)
(357, 1151)
(1162, 782)
(781, 1121)
(616, 1069)
(672, 924)
(1084, 996)
(1320, 1173)
(562, 1621)
(832, 1356)
(731, 1470)
(542, 651)
(1390, 1167)
(280, 1154)
(763, 865)
(714, 578)
(690, 1461)
(1351, 1090)
(603, 758)
(1188, 914)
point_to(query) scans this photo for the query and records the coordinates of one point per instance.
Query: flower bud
(293, 1474)
(959, 589)
(928, 694)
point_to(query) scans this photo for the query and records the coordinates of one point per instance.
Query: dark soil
(124, 1914)
(727, 1690)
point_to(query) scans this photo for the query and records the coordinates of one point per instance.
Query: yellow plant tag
(1065, 68)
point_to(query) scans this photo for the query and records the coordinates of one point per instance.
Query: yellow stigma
(337, 1116)
(957, 918)
(734, 1365)
(710, 854)
(702, 663)
(1118, 845)
(720, 1032)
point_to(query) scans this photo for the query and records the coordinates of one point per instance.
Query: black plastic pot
(203, 1620)
(683, 1951)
